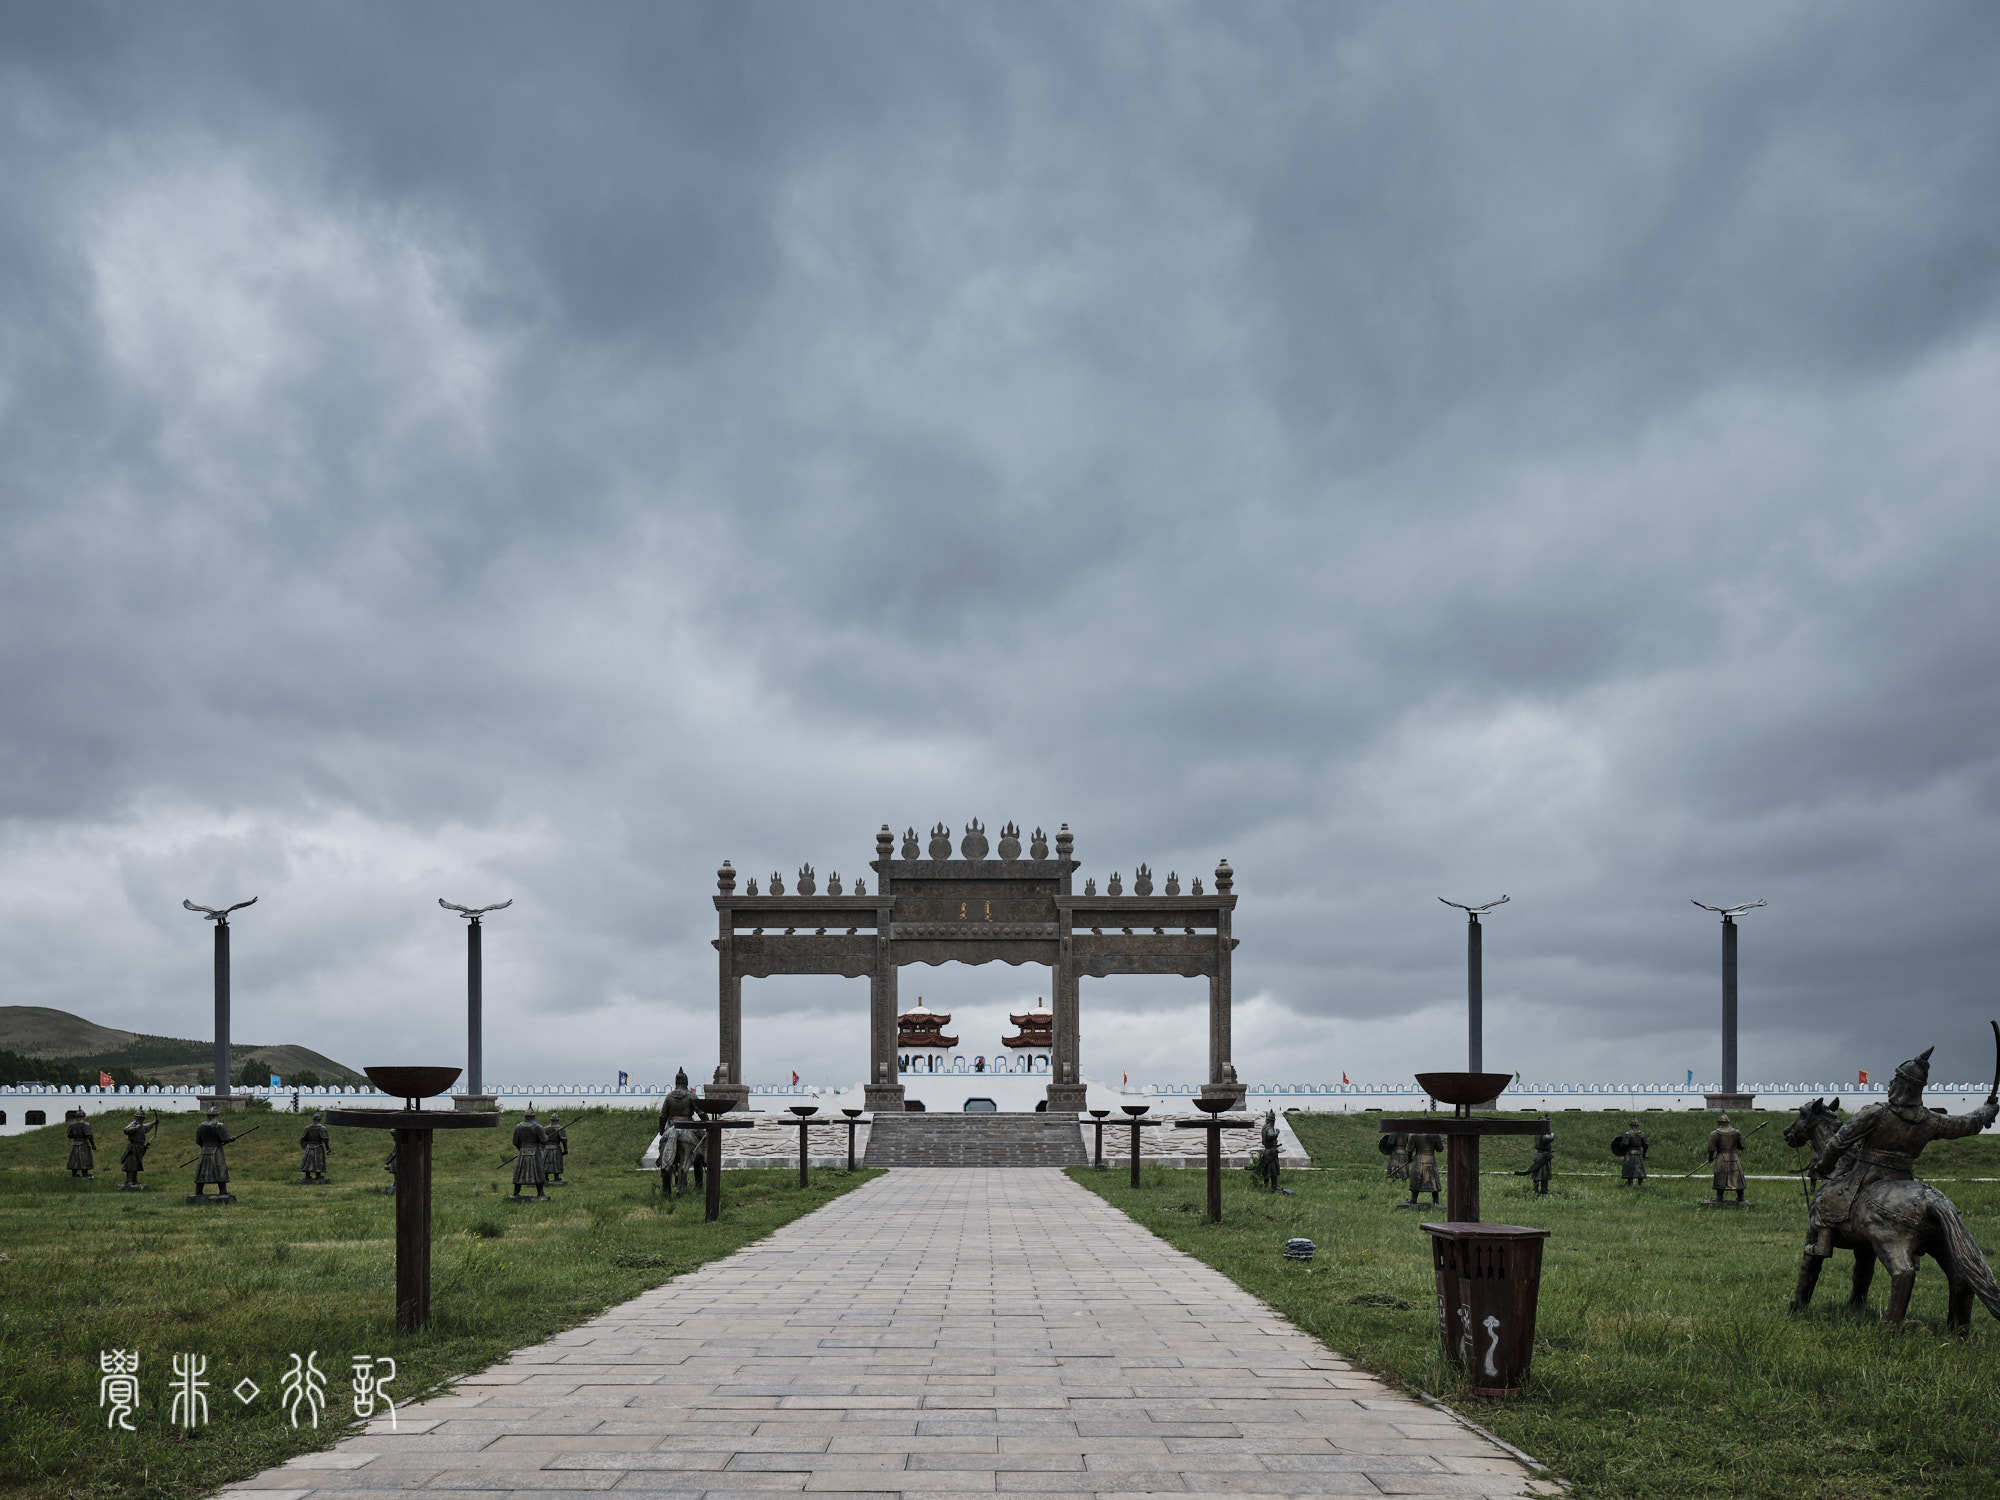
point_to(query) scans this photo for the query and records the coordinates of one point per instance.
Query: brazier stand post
(1134, 1111)
(412, 1129)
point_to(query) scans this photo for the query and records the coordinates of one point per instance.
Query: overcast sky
(540, 451)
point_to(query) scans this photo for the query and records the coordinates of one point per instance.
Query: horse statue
(680, 1150)
(1868, 1200)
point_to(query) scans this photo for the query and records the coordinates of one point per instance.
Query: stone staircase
(980, 1140)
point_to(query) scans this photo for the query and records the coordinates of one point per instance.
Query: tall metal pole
(474, 981)
(1729, 914)
(1728, 1004)
(219, 915)
(1474, 999)
(474, 1098)
(222, 1007)
(1475, 983)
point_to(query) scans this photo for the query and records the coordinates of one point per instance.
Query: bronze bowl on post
(412, 1083)
(852, 1114)
(1135, 1110)
(1211, 1105)
(803, 1110)
(1465, 1091)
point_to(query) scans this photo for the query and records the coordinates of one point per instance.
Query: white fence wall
(1333, 1098)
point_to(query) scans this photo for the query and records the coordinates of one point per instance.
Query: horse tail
(1967, 1263)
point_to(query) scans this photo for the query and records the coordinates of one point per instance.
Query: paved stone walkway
(932, 1333)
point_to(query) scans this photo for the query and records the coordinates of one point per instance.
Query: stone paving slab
(934, 1333)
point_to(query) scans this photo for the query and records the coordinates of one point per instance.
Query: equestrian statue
(1870, 1200)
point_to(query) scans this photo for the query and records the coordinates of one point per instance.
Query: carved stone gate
(930, 908)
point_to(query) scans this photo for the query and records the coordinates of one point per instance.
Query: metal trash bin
(1489, 1279)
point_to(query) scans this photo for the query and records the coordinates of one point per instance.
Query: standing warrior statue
(1725, 1149)
(315, 1142)
(1424, 1168)
(1871, 1202)
(555, 1146)
(1397, 1148)
(134, 1159)
(1543, 1167)
(211, 1135)
(1632, 1146)
(82, 1143)
(527, 1156)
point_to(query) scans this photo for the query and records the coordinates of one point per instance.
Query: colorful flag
(277, 1082)
(1864, 1075)
(1343, 1078)
(1123, 1079)
(1690, 1077)
(104, 1079)
(795, 1078)
(621, 1078)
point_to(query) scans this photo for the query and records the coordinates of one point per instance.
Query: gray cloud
(485, 451)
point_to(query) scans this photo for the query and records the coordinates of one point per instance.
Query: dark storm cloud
(486, 451)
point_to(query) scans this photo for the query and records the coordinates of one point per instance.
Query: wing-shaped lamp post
(1475, 985)
(219, 915)
(475, 1097)
(1729, 1098)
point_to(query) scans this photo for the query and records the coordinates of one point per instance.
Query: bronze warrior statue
(1424, 1148)
(555, 1146)
(1872, 1203)
(82, 1143)
(1632, 1146)
(211, 1135)
(1264, 1165)
(1725, 1149)
(134, 1159)
(528, 1155)
(1542, 1168)
(314, 1143)
(1397, 1148)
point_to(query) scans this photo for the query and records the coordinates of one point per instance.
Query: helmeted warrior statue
(1872, 1203)
(211, 1135)
(1396, 1147)
(1632, 1146)
(314, 1143)
(1725, 1149)
(1543, 1167)
(82, 1143)
(1424, 1148)
(555, 1146)
(134, 1160)
(680, 1101)
(528, 1139)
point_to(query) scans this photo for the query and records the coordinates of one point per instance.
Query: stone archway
(928, 907)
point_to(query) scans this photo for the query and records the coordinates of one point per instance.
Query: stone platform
(930, 1334)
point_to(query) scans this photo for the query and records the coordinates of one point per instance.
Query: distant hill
(66, 1041)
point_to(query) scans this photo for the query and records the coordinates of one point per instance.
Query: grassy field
(85, 1268)
(1666, 1364)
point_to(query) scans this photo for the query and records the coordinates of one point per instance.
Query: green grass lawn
(85, 1268)
(1666, 1363)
